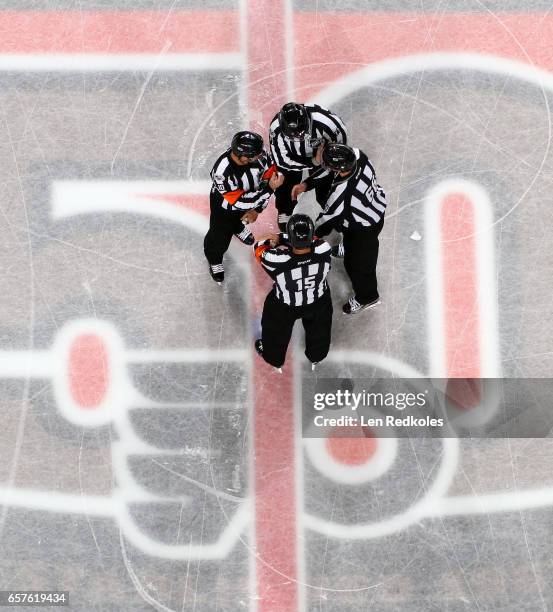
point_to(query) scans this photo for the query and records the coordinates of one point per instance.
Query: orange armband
(232, 196)
(260, 250)
(269, 172)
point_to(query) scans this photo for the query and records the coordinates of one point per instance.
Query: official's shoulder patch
(219, 180)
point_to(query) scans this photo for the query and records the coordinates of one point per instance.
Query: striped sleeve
(259, 247)
(252, 199)
(314, 176)
(329, 125)
(221, 176)
(322, 247)
(279, 150)
(368, 200)
(271, 259)
(333, 214)
(326, 223)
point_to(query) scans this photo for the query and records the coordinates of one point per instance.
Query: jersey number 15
(306, 283)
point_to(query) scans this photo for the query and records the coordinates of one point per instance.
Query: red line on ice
(119, 31)
(274, 436)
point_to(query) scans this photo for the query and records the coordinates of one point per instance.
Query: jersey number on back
(306, 283)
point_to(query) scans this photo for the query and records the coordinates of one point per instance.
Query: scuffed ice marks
(212, 134)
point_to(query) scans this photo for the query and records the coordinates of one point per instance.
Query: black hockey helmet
(300, 230)
(338, 157)
(294, 121)
(247, 144)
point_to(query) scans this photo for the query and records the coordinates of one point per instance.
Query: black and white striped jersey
(298, 154)
(354, 201)
(300, 280)
(241, 188)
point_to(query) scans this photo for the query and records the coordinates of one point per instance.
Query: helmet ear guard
(300, 229)
(294, 120)
(247, 144)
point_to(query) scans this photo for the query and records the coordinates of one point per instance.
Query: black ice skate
(352, 306)
(259, 350)
(217, 272)
(259, 347)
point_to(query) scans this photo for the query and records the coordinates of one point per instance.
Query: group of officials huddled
(308, 150)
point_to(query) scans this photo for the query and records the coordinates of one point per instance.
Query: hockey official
(299, 268)
(244, 179)
(355, 206)
(297, 135)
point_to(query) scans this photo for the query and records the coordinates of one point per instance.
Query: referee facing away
(244, 179)
(299, 265)
(355, 206)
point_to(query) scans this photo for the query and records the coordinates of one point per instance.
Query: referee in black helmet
(299, 265)
(244, 179)
(355, 206)
(297, 134)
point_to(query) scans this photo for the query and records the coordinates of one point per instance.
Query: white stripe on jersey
(358, 207)
(312, 270)
(326, 216)
(281, 282)
(273, 257)
(367, 171)
(323, 286)
(317, 116)
(335, 195)
(322, 248)
(221, 167)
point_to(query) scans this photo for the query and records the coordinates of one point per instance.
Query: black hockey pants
(278, 321)
(360, 257)
(223, 224)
